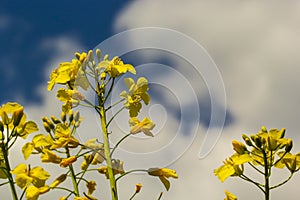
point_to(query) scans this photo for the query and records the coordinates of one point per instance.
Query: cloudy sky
(249, 69)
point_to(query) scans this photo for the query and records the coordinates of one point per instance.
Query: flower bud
(1, 126)
(67, 161)
(77, 116)
(289, 145)
(264, 129)
(257, 141)
(138, 187)
(63, 116)
(17, 116)
(58, 180)
(90, 56)
(55, 120)
(98, 54)
(71, 116)
(103, 76)
(46, 126)
(5, 118)
(239, 147)
(247, 140)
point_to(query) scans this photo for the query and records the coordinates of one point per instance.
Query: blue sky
(255, 45)
(24, 25)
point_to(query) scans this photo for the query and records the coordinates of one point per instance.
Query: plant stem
(73, 176)
(267, 184)
(4, 149)
(111, 176)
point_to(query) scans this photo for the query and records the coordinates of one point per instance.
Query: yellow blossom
(26, 176)
(17, 120)
(115, 67)
(163, 174)
(137, 92)
(63, 137)
(230, 196)
(70, 74)
(145, 126)
(232, 166)
(37, 143)
(50, 156)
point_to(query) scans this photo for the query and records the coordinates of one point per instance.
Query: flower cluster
(60, 145)
(262, 151)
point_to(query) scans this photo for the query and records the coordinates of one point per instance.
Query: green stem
(267, 183)
(280, 184)
(134, 170)
(9, 175)
(73, 176)
(119, 142)
(111, 176)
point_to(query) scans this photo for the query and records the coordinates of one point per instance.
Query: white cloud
(255, 45)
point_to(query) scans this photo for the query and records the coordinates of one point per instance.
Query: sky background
(255, 45)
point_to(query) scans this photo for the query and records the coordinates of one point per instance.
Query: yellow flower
(70, 74)
(33, 193)
(50, 156)
(232, 166)
(145, 126)
(17, 119)
(71, 98)
(37, 143)
(115, 67)
(68, 161)
(137, 92)
(163, 174)
(292, 162)
(26, 176)
(230, 196)
(63, 137)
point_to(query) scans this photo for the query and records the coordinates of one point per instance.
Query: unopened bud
(67, 161)
(90, 56)
(1, 126)
(98, 54)
(55, 120)
(138, 187)
(17, 116)
(71, 116)
(63, 116)
(257, 141)
(77, 116)
(46, 126)
(58, 180)
(103, 76)
(289, 145)
(5, 118)
(247, 140)
(264, 129)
